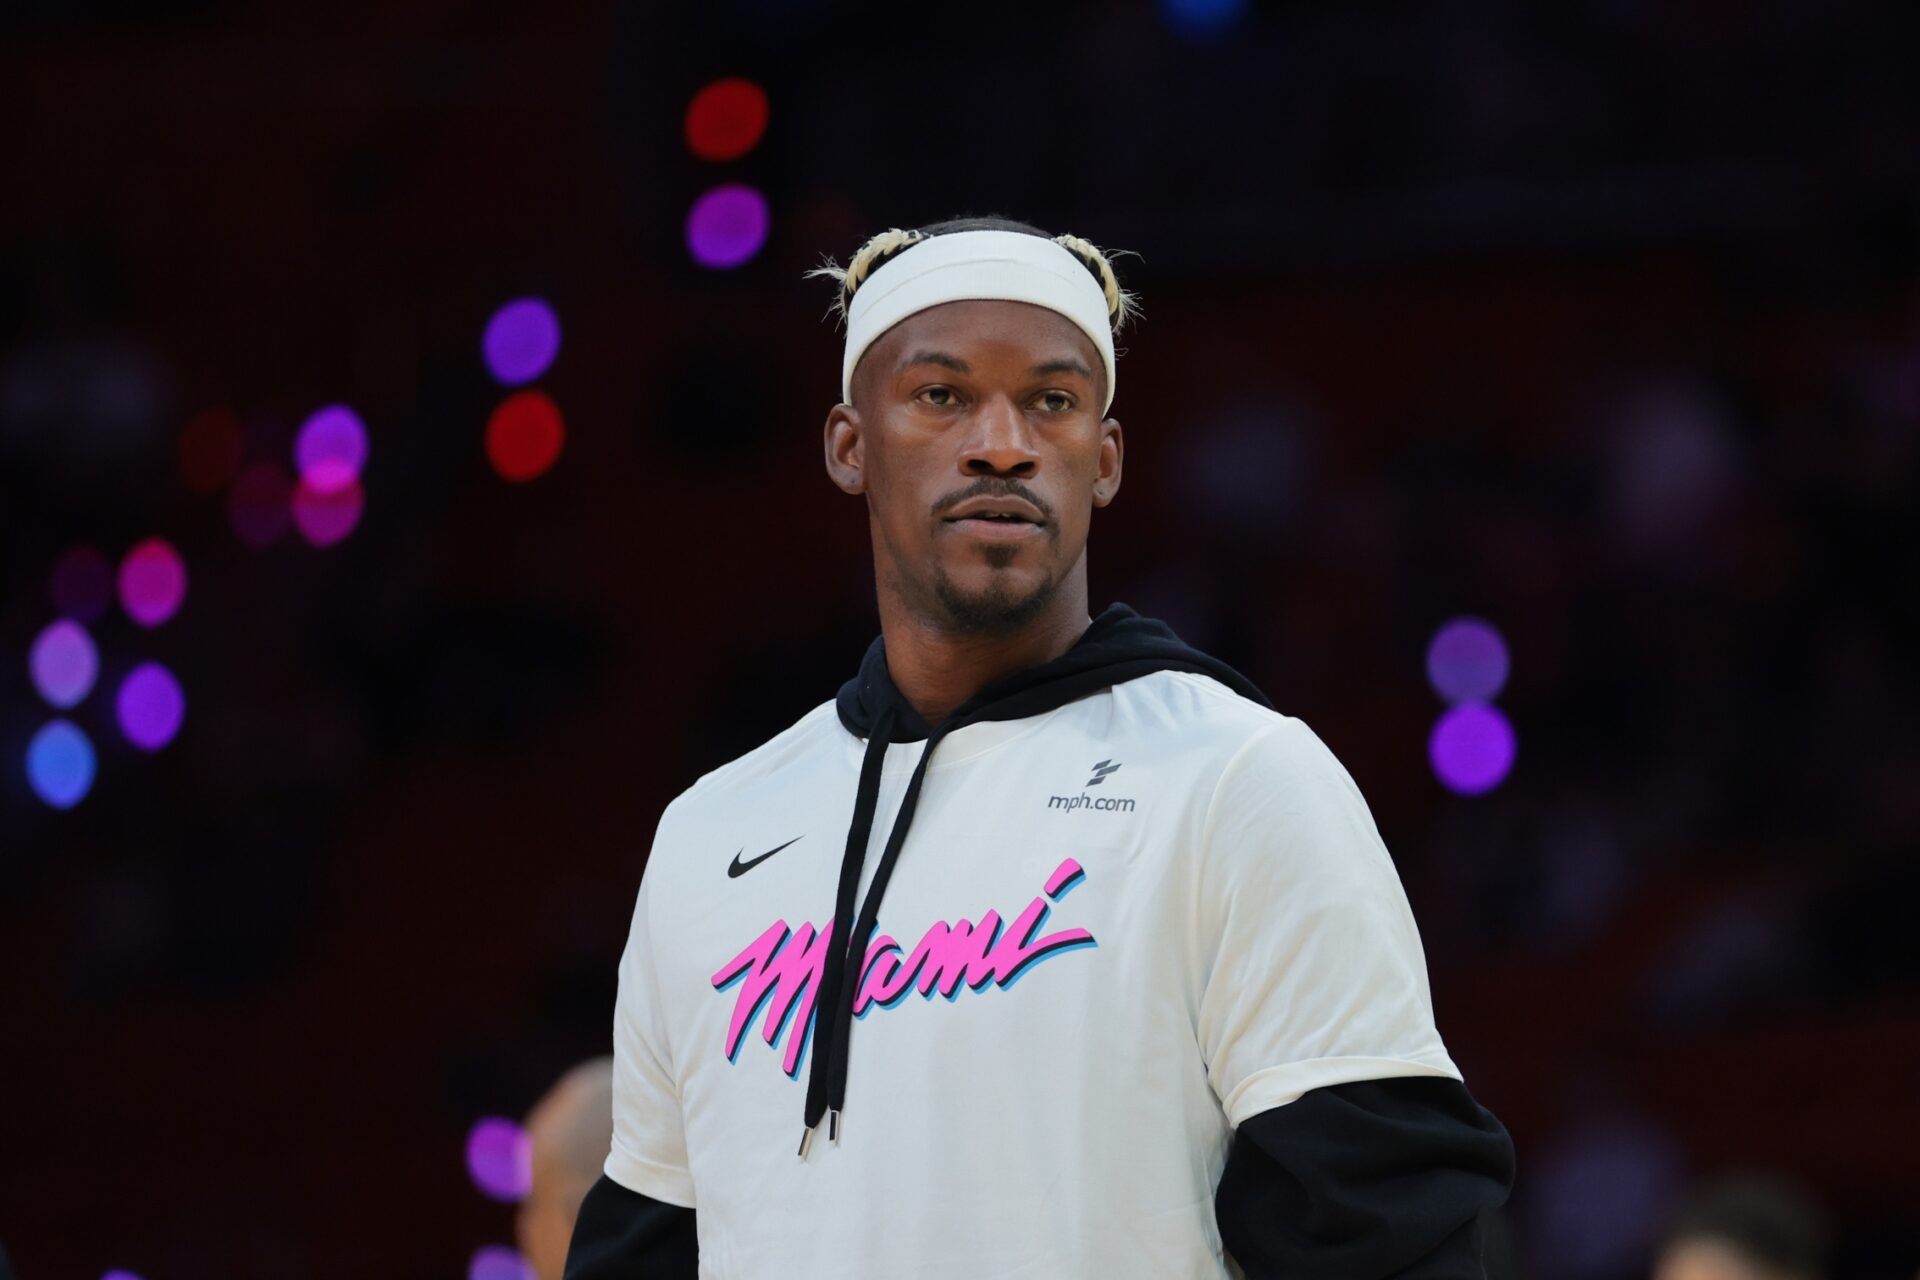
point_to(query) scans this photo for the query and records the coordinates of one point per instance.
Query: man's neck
(936, 671)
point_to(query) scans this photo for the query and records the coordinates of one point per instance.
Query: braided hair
(882, 248)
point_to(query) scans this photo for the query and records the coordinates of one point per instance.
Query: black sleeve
(1371, 1180)
(621, 1234)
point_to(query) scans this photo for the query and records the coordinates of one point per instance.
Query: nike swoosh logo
(738, 868)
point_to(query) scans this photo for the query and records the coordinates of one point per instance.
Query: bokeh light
(330, 449)
(1203, 17)
(258, 504)
(64, 663)
(82, 583)
(1471, 748)
(326, 518)
(727, 225)
(726, 119)
(500, 1158)
(521, 341)
(1467, 661)
(60, 763)
(498, 1262)
(524, 435)
(120, 1275)
(150, 706)
(153, 581)
(211, 448)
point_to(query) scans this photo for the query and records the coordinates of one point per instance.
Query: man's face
(979, 399)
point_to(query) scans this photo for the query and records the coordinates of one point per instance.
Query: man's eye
(940, 391)
(1066, 401)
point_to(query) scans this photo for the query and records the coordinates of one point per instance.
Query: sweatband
(1009, 265)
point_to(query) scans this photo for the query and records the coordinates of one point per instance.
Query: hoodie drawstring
(847, 946)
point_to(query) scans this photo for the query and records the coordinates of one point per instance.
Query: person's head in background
(571, 1129)
(1745, 1227)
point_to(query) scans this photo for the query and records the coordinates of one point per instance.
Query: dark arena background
(411, 479)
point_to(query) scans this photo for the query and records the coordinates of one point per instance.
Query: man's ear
(1112, 453)
(845, 442)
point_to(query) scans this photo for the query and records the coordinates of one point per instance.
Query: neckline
(966, 743)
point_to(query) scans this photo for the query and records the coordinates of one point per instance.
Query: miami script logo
(780, 971)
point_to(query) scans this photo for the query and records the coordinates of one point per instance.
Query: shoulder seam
(1215, 689)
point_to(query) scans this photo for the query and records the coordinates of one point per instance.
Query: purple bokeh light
(1471, 748)
(326, 518)
(521, 341)
(1467, 661)
(258, 504)
(727, 225)
(150, 706)
(60, 763)
(498, 1262)
(82, 582)
(500, 1159)
(119, 1275)
(330, 449)
(64, 663)
(153, 581)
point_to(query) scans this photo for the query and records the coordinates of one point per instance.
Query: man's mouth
(996, 527)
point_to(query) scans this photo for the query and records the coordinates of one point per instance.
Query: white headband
(1011, 265)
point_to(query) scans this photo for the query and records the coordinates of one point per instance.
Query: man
(571, 1129)
(1127, 985)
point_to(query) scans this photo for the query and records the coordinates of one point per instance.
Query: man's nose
(1002, 439)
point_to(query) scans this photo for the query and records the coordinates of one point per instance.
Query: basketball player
(1047, 948)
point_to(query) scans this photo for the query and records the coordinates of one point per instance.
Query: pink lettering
(780, 971)
(1062, 876)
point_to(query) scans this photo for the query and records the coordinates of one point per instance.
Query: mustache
(993, 489)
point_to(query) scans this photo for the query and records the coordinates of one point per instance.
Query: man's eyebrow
(1068, 365)
(940, 358)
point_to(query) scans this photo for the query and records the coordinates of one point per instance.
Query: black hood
(1118, 646)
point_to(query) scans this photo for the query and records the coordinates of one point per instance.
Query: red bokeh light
(524, 435)
(324, 516)
(725, 119)
(152, 581)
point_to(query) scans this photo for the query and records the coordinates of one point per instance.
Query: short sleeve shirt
(1116, 930)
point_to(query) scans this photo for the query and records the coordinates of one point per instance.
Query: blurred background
(410, 480)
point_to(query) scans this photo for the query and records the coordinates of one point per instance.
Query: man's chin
(994, 606)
